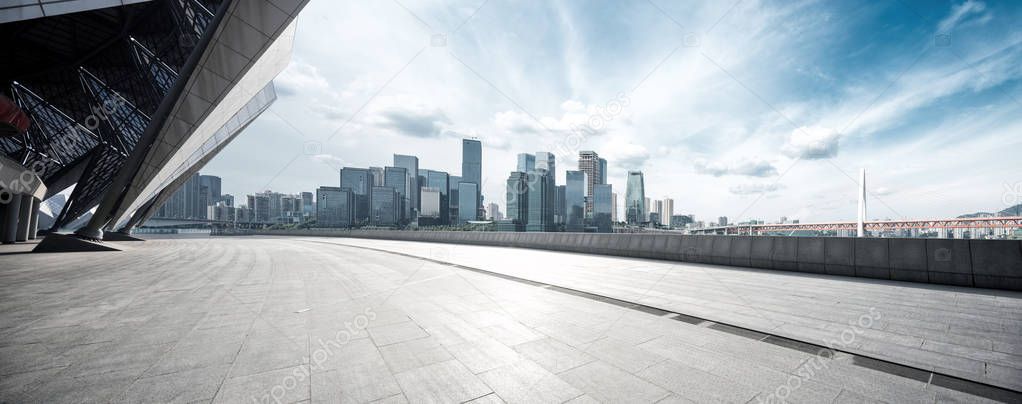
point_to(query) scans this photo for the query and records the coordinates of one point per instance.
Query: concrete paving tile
(480, 356)
(395, 399)
(398, 332)
(696, 384)
(260, 355)
(287, 385)
(28, 357)
(606, 383)
(448, 381)
(412, 354)
(181, 387)
(623, 354)
(185, 357)
(527, 382)
(358, 383)
(112, 357)
(92, 388)
(491, 398)
(512, 333)
(553, 355)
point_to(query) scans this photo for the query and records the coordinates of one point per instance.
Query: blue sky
(747, 109)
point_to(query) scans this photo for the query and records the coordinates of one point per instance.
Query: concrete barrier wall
(995, 264)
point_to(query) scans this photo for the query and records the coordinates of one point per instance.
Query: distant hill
(1012, 211)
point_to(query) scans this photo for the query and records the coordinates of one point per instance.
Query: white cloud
(812, 143)
(625, 153)
(960, 13)
(747, 167)
(300, 77)
(752, 189)
(408, 116)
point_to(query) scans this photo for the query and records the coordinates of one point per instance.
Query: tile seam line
(601, 298)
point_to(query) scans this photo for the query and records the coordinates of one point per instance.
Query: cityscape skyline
(710, 126)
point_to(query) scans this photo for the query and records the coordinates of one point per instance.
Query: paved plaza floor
(252, 319)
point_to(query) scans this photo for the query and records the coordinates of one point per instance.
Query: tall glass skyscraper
(468, 202)
(453, 197)
(360, 182)
(471, 172)
(526, 162)
(386, 207)
(635, 198)
(541, 193)
(397, 179)
(590, 163)
(440, 181)
(335, 207)
(603, 207)
(575, 200)
(411, 165)
(517, 198)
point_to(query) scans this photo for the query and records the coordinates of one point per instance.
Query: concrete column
(10, 220)
(24, 217)
(33, 226)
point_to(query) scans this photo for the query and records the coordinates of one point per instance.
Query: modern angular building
(440, 181)
(526, 162)
(541, 204)
(468, 202)
(454, 198)
(635, 198)
(128, 100)
(385, 208)
(575, 200)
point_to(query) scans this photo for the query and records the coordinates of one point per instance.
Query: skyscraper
(440, 181)
(613, 207)
(668, 213)
(411, 165)
(541, 212)
(635, 198)
(603, 207)
(526, 162)
(471, 172)
(493, 210)
(560, 208)
(575, 200)
(590, 163)
(360, 182)
(307, 203)
(396, 178)
(468, 202)
(385, 207)
(376, 175)
(453, 198)
(603, 171)
(335, 207)
(429, 212)
(658, 208)
(517, 199)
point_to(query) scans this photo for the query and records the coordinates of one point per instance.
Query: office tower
(603, 208)
(722, 221)
(376, 175)
(603, 171)
(307, 203)
(635, 198)
(335, 207)
(667, 215)
(440, 181)
(575, 200)
(517, 199)
(430, 207)
(411, 165)
(590, 163)
(560, 209)
(646, 209)
(260, 206)
(385, 206)
(360, 182)
(545, 162)
(471, 172)
(227, 199)
(541, 212)
(397, 179)
(493, 211)
(658, 208)
(526, 162)
(209, 192)
(453, 198)
(468, 202)
(613, 207)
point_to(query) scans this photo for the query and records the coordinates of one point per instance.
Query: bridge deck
(232, 319)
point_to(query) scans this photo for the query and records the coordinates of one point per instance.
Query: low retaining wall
(994, 264)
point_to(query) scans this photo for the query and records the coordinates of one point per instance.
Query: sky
(747, 109)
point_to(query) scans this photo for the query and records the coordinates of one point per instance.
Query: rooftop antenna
(860, 222)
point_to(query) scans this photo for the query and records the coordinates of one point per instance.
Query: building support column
(10, 220)
(33, 226)
(24, 217)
